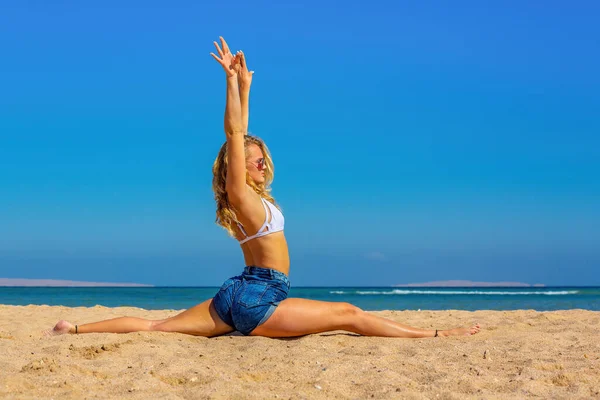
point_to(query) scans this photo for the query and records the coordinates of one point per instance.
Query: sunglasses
(260, 163)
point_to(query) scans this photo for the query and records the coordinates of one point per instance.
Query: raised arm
(234, 130)
(233, 112)
(244, 81)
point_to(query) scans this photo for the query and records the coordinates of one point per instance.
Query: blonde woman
(255, 302)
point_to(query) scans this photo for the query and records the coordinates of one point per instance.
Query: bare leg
(297, 317)
(200, 320)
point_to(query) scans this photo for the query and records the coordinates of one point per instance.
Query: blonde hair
(226, 215)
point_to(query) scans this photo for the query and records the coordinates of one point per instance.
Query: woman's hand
(227, 60)
(244, 76)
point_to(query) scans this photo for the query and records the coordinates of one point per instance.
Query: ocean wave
(455, 292)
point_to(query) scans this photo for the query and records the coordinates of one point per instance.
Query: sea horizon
(306, 286)
(370, 298)
(29, 282)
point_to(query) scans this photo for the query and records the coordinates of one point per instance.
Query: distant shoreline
(21, 282)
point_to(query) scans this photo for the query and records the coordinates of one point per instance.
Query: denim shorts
(247, 301)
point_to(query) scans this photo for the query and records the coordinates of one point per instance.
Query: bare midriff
(269, 251)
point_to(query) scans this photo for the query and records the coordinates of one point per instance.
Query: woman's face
(255, 163)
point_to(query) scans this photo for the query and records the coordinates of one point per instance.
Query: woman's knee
(347, 310)
(348, 316)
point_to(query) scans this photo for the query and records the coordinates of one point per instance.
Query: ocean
(367, 298)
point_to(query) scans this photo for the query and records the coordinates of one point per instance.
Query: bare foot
(60, 328)
(460, 331)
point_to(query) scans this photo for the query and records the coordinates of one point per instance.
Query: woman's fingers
(243, 60)
(218, 49)
(224, 45)
(226, 59)
(217, 58)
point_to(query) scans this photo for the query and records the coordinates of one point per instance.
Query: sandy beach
(518, 354)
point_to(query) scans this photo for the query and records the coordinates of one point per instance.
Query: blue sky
(412, 142)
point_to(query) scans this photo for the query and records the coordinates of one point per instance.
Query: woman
(255, 303)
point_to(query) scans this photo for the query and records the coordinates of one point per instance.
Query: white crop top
(275, 224)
